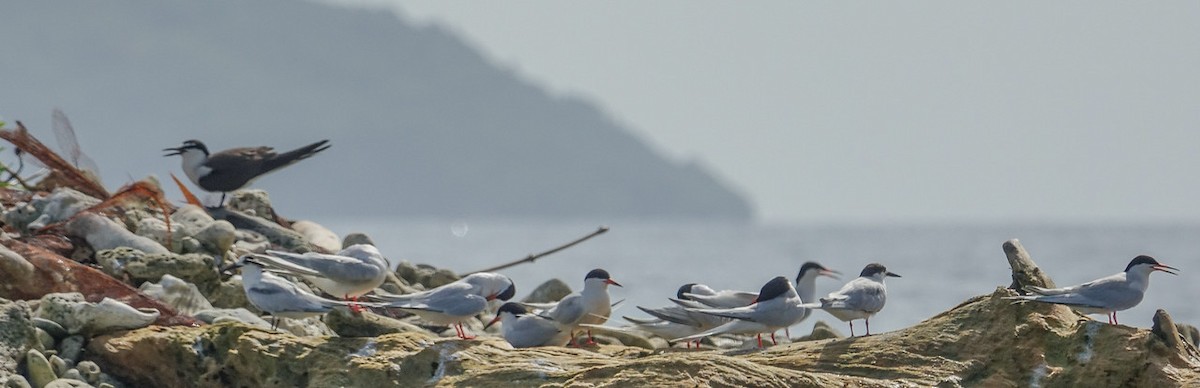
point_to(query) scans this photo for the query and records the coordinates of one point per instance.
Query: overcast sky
(939, 111)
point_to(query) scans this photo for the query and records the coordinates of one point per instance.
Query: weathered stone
(318, 235)
(357, 238)
(90, 371)
(437, 278)
(58, 365)
(252, 202)
(1024, 271)
(821, 330)
(552, 290)
(184, 297)
(53, 328)
(16, 381)
(241, 315)
(67, 383)
(103, 233)
(45, 340)
(366, 324)
(140, 267)
(17, 334)
(56, 274)
(1189, 333)
(71, 348)
(38, 368)
(41, 211)
(80, 316)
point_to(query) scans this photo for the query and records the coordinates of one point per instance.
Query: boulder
(18, 335)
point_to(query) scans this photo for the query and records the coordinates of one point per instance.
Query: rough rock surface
(986, 341)
(17, 334)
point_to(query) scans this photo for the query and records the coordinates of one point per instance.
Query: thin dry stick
(532, 257)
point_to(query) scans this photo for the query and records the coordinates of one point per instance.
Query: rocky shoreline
(124, 291)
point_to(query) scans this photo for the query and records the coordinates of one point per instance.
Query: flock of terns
(698, 311)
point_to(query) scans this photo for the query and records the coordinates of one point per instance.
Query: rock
(184, 297)
(357, 238)
(218, 237)
(59, 206)
(285, 238)
(552, 290)
(407, 271)
(56, 274)
(240, 315)
(17, 334)
(1189, 333)
(1024, 271)
(90, 371)
(437, 278)
(79, 316)
(58, 365)
(38, 369)
(71, 348)
(821, 330)
(229, 294)
(103, 233)
(366, 324)
(251, 241)
(15, 381)
(612, 336)
(67, 383)
(318, 235)
(140, 267)
(45, 340)
(252, 202)
(13, 266)
(53, 328)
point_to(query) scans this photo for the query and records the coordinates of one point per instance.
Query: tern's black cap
(597, 274)
(773, 289)
(1141, 259)
(809, 266)
(686, 288)
(508, 292)
(876, 268)
(512, 307)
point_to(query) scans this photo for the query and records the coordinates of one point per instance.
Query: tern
(859, 299)
(278, 296)
(1105, 295)
(676, 321)
(777, 307)
(454, 302)
(523, 330)
(352, 272)
(235, 168)
(589, 306)
(806, 287)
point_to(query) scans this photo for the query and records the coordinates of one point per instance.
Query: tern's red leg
(697, 344)
(464, 332)
(689, 344)
(787, 331)
(590, 340)
(1115, 318)
(773, 339)
(851, 328)
(760, 340)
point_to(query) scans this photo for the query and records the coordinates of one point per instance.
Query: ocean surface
(941, 265)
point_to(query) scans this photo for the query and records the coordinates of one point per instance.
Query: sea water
(941, 265)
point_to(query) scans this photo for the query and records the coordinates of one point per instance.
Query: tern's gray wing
(456, 288)
(277, 265)
(568, 311)
(1106, 293)
(674, 314)
(460, 306)
(341, 269)
(860, 294)
(745, 313)
(273, 294)
(725, 299)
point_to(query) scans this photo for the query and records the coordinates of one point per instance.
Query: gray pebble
(71, 348)
(16, 381)
(53, 328)
(58, 365)
(90, 371)
(44, 338)
(67, 383)
(39, 369)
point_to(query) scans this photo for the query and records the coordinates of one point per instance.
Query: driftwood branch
(532, 257)
(1024, 271)
(75, 177)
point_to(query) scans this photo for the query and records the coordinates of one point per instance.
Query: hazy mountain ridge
(421, 123)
